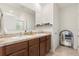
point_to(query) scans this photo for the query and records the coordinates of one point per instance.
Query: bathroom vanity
(27, 45)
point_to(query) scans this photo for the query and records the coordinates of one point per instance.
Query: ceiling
(32, 6)
(64, 5)
(27, 6)
(44, 4)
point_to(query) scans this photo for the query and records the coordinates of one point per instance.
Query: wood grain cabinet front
(43, 48)
(45, 45)
(14, 48)
(20, 53)
(34, 47)
(34, 50)
(48, 43)
(36, 53)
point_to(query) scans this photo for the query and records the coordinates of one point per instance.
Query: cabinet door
(34, 50)
(31, 51)
(42, 48)
(20, 53)
(34, 47)
(48, 44)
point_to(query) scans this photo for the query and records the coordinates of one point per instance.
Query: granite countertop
(11, 40)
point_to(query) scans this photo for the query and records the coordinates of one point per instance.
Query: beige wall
(68, 20)
(54, 29)
(44, 14)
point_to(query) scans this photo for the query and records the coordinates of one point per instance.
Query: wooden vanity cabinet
(17, 49)
(13, 48)
(23, 52)
(42, 46)
(45, 45)
(34, 47)
(42, 49)
(48, 43)
(2, 51)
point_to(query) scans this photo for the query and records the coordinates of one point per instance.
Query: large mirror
(10, 23)
(13, 24)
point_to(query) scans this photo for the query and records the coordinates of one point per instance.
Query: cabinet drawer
(42, 38)
(20, 53)
(33, 41)
(37, 41)
(15, 47)
(49, 37)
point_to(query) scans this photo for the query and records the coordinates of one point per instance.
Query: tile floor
(64, 51)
